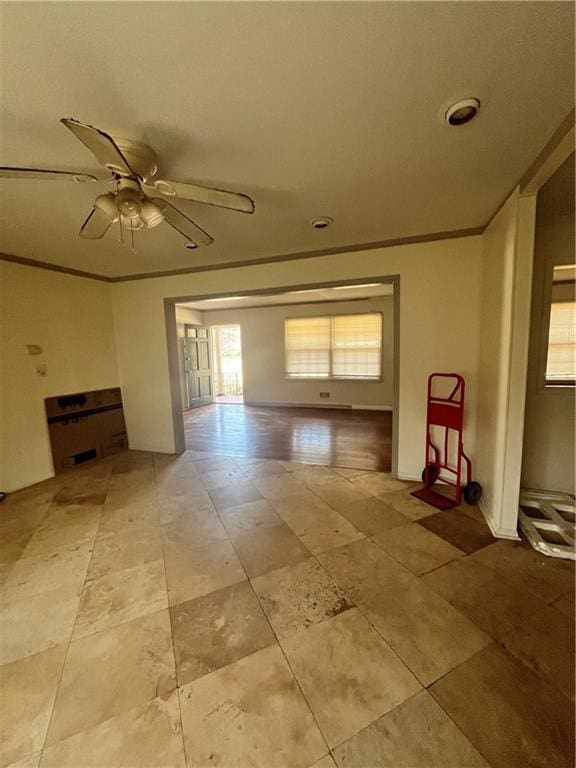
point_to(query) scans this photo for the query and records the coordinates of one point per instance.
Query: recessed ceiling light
(462, 112)
(321, 223)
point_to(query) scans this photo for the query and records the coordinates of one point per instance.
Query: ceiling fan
(132, 167)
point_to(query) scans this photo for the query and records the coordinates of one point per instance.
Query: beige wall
(505, 302)
(439, 329)
(263, 367)
(549, 449)
(71, 319)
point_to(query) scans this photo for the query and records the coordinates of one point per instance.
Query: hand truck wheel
(472, 493)
(430, 474)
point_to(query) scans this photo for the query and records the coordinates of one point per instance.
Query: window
(337, 347)
(561, 358)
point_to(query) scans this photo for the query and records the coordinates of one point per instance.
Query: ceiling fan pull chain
(132, 235)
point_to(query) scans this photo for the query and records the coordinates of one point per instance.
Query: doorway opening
(227, 363)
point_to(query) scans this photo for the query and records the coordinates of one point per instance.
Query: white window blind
(561, 363)
(339, 347)
(308, 347)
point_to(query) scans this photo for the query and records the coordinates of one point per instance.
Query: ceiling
(312, 295)
(312, 109)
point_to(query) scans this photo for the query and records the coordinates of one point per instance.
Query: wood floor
(333, 437)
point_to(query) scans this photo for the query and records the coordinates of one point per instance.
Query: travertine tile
(530, 571)
(245, 517)
(49, 538)
(147, 736)
(217, 629)
(195, 572)
(348, 472)
(250, 713)
(32, 761)
(28, 690)
(299, 595)
(482, 595)
(179, 486)
(316, 475)
(220, 479)
(121, 596)
(565, 604)
(262, 468)
(60, 517)
(373, 516)
(277, 487)
(348, 674)
(378, 483)
(510, 714)
(116, 551)
(214, 463)
(12, 545)
(428, 634)
(317, 525)
(324, 762)
(197, 529)
(234, 494)
(407, 505)
(416, 548)
(129, 515)
(341, 493)
(173, 509)
(111, 672)
(417, 734)
(64, 569)
(267, 548)
(460, 530)
(545, 642)
(37, 623)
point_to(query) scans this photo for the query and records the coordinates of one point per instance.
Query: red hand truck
(446, 412)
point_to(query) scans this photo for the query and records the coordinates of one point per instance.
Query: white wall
(71, 319)
(184, 316)
(439, 329)
(549, 447)
(262, 332)
(505, 302)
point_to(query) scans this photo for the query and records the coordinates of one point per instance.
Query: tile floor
(206, 610)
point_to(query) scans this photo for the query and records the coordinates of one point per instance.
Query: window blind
(561, 363)
(357, 346)
(342, 346)
(307, 347)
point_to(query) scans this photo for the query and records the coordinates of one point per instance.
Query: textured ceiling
(310, 108)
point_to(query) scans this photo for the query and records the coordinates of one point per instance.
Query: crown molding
(353, 248)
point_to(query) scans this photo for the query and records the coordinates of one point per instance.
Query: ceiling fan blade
(199, 194)
(39, 173)
(183, 224)
(95, 226)
(102, 146)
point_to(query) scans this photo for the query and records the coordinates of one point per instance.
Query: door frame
(172, 346)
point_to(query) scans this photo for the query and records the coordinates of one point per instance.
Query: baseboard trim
(372, 407)
(28, 485)
(333, 406)
(499, 533)
(330, 406)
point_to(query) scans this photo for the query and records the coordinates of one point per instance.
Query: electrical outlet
(324, 394)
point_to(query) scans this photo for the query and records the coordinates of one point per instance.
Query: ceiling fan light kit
(132, 165)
